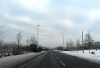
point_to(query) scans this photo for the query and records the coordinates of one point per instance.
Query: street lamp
(82, 41)
(63, 42)
(37, 32)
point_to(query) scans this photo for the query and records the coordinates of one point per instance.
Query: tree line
(88, 44)
(16, 48)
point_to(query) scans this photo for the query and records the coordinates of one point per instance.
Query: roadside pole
(82, 41)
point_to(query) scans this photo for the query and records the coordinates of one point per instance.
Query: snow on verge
(91, 58)
(15, 61)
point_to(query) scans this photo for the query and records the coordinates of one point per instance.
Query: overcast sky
(55, 17)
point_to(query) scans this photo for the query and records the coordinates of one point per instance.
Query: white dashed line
(63, 64)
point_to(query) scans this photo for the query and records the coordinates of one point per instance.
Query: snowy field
(86, 55)
(14, 61)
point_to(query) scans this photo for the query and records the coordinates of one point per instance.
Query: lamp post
(63, 41)
(82, 41)
(37, 32)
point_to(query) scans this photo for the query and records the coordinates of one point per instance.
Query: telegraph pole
(63, 41)
(37, 33)
(82, 41)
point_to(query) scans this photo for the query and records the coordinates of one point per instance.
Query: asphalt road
(53, 59)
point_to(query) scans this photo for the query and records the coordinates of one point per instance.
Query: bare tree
(19, 38)
(68, 45)
(71, 43)
(18, 48)
(77, 44)
(88, 41)
(32, 40)
(1, 40)
(1, 48)
(27, 42)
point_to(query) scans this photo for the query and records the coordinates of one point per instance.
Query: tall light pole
(63, 42)
(37, 32)
(82, 41)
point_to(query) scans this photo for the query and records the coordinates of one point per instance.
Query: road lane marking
(62, 63)
(57, 58)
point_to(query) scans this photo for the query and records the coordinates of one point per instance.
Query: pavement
(52, 59)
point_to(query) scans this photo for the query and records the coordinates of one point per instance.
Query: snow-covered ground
(86, 55)
(13, 61)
